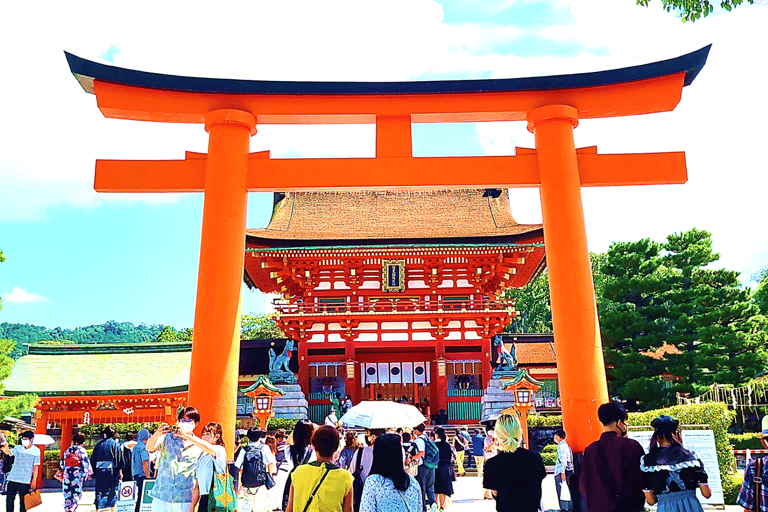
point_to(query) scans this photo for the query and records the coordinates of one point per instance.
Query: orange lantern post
(263, 393)
(523, 388)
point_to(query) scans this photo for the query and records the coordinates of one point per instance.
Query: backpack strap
(758, 483)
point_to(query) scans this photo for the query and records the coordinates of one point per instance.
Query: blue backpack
(431, 453)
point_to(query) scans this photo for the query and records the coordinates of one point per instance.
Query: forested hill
(109, 332)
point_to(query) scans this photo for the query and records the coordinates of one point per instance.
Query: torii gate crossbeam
(231, 110)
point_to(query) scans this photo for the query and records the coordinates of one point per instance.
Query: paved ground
(468, 497)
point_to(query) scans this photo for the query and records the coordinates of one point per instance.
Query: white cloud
(19, 295)
(718, 124)
(53, 133)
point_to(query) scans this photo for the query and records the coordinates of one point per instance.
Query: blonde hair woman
(515, 474)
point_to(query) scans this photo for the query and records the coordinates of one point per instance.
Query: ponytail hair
(508, 432)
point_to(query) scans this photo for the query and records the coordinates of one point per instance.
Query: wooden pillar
(66, 436)
(303, 375)
(216, 341)
(439, 384)
(485, 362)
(580, 364)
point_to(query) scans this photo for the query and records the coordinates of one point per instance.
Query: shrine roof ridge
(276, 244)
(107, 348)
(86, 71)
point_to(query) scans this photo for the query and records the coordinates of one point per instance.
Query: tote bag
(222, 496)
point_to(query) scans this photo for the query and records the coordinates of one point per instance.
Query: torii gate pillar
(578, 347)
(214, 372)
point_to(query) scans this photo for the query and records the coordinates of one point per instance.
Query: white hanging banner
(395, 373)
(371, 373)
(383, 373)
(407, 373)
(419, 373)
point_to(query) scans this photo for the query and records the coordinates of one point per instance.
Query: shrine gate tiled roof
(101, 369)
(393, 216)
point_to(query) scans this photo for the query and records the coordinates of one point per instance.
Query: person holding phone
(177, 463)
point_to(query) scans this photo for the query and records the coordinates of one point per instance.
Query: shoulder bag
(357, 480)
(221, 495)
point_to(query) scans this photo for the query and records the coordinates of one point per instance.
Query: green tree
(533, 306)
(760, 295)
(2, 260)
(16, 405)
(169, 334)
(255, 327)
(732, 332)
(633, 321)
(692, 10)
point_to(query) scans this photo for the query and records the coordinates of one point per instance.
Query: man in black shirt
(611, 479)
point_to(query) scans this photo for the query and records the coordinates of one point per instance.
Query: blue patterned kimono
(74, 474)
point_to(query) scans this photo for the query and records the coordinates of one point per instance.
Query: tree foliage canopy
(699, 323)
(692, 10)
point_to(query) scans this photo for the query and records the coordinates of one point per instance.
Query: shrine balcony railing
(393, 305)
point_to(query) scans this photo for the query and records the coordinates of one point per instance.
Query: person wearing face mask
(23, 475)
(177, 463)
(611, 479)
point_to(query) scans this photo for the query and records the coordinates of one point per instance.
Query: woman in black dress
(672, 473)
(444, 473)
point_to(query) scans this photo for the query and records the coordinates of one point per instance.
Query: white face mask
(26, 443)
(187, 426)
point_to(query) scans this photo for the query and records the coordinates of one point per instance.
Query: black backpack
(7, 463)
(254, 468)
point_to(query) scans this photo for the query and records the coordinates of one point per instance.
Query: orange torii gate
(231, 110)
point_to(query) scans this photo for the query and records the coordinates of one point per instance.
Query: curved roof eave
(87, 71)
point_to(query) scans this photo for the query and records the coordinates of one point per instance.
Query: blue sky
(75, 257)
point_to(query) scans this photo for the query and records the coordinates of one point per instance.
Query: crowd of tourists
(324, 468)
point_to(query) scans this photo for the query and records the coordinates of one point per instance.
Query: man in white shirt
(254, 499)
(425, 475)
(23, 476)
(563, 468)
(332, 420)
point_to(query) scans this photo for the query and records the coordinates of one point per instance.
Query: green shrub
(731, 487)
(276, 423)
(534, 420)
(549, 458)
(53, 455)
(550, 448)
(95, 429)
(744, 442)
(716, 415)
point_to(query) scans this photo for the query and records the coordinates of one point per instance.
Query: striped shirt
(23, 464)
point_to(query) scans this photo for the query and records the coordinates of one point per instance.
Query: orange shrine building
(392, 294)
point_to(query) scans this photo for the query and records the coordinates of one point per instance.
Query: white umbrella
(382, 414)
(43, 439)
